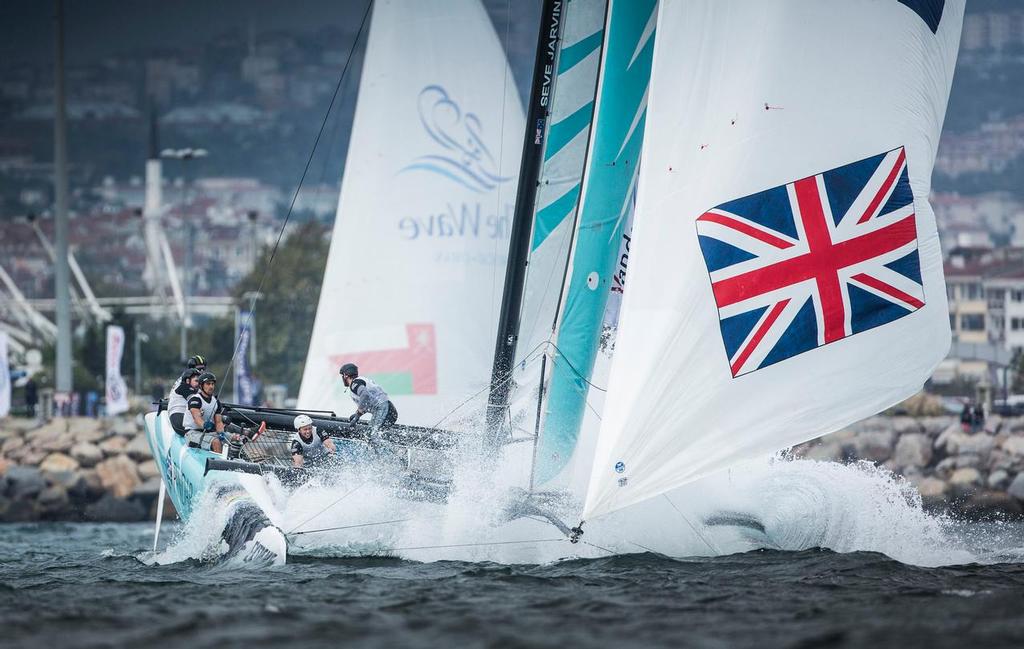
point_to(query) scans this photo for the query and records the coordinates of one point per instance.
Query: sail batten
(785, 273)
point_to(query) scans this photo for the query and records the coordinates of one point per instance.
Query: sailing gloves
(208, 426)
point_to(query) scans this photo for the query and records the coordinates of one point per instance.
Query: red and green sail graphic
(403, 370)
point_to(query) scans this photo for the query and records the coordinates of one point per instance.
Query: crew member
(369, 398)
(177, 404)
(205, 425)
(197, 363)
(310, 447)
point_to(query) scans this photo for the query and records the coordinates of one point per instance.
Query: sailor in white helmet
(369, 398)
(310, 447)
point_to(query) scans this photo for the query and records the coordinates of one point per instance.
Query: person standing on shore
(31, 397)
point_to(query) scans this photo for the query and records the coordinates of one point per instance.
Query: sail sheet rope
(298, 188)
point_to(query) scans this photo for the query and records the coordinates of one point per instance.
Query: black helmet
(349, 369)
(197, 361)
(207, 377)
(189, 373)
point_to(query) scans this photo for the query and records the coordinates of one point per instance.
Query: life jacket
(177, 403)
(366, 394)
(207, 408)
(312, 450)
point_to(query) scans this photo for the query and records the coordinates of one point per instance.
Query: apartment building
(985, 289)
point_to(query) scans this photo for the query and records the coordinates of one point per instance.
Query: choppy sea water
(92, 585)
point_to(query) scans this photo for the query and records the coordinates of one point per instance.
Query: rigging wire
(528, 359)
(349, 527)
(690, 525)
(501, 142)
(471, 545)
(298, 188)
(343, 497)
(594, 545)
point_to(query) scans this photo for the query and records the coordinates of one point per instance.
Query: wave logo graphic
(466, 159)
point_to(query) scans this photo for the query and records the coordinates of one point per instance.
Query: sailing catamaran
(785, 274)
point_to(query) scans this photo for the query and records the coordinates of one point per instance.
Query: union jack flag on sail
(813, 261)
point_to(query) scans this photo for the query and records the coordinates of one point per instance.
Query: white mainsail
(785, 276)
(413, 280)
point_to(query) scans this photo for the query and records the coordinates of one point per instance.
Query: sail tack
(785, 272)
(412, 285)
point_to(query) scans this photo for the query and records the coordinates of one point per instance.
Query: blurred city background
(229, 96)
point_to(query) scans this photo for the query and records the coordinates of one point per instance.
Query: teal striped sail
(573, 92)
(609, 178)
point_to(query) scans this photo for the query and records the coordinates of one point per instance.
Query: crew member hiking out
(205, 426)
(177, 404)
(310, 447)
(369, 398)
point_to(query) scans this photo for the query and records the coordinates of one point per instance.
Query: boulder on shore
(138, 448)
(1016, 488)
(913, 450)
(57, 463)
(110, 508)
(118, 475)
(87, 454)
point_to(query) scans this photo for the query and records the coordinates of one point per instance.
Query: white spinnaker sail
(786, 278)
(413, 282)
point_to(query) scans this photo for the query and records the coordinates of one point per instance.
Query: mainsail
(413, 279)
(785, 277)
(571, 111)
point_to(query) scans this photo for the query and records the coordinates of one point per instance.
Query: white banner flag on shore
(117, 390)
(5, 377)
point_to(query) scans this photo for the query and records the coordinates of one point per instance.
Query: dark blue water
(82, 586)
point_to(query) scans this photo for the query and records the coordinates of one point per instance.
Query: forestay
(785, 277)
(412, 285)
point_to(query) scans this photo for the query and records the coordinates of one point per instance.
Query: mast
(60, 173)
(526, 195)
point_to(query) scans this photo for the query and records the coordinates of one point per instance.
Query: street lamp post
(139, 339)
(185, 155)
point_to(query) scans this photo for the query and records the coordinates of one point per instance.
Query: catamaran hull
(249, 530)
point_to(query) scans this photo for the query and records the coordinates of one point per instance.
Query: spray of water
(778, 503)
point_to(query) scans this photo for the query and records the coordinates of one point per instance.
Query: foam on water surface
(787, 504)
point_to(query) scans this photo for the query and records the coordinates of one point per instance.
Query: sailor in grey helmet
(369, 398)
(177, 404)
(310, 447)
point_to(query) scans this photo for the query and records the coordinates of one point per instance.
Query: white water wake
(793, 504)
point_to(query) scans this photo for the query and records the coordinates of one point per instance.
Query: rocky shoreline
(968, 473)
(80, 469)
(77, 469)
